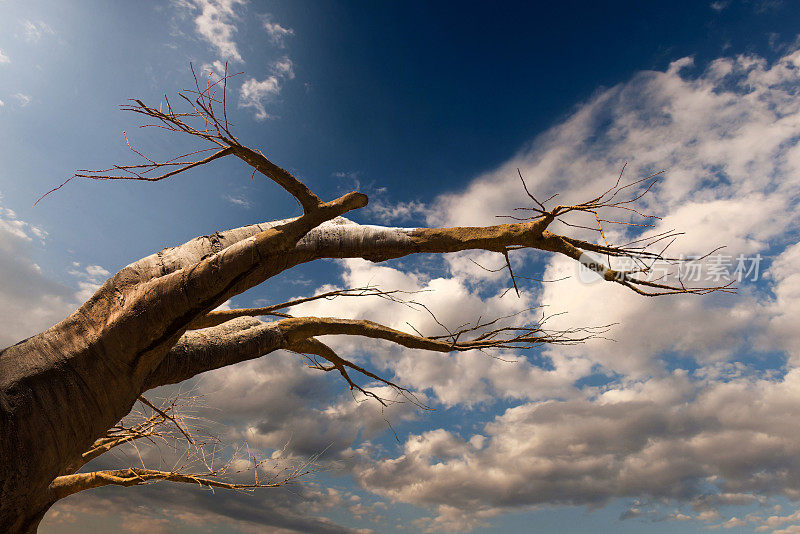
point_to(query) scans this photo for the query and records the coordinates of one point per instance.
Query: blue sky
(684, 423)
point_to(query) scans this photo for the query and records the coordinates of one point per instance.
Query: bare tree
(63, 392)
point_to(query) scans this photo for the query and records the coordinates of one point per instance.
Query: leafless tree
(63, 392)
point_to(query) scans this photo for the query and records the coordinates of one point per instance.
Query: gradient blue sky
(686, 423)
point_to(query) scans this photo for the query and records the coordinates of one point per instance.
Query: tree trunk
(59, 391)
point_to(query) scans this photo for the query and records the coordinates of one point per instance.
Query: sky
(682, 418)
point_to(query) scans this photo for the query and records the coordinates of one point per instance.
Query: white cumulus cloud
(216, 24)
(256, 94)
(276, 32)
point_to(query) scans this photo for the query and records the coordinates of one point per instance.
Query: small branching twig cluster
(638, 251)
(188, 453)
(220, 316)
(482, 335)
(214, 130)
(205, 104)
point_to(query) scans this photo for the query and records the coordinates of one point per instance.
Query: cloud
(89, 279)
(173, 506)
(215, 67)
(713, 330)
(4, 58)
(277, 403)
(346, 174)
(276, 32)
(96, 270)
(11, 224)
(389, 212)
(29, 301)
(724, 134)
(23, 99)
(466, 378)
(216, 24)
(254, 93)
(284, 68)
(34, 30)
(257, 93)
(667, 438)
(783, 308)
(239, 200)
(719, 5)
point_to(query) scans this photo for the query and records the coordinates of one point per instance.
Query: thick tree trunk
(59, 391)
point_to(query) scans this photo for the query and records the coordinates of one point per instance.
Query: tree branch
(218, 317)
(148, 427)
(198, 351)
(313, 346)
(307, 199)
(247, 338)
(67, 485)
